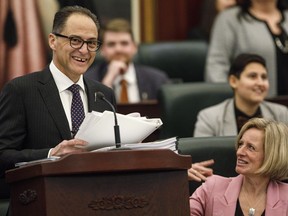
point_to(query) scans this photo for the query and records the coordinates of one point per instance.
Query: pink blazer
(218, 196)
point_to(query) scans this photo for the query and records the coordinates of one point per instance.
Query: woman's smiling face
(250, 152)
(252, 86)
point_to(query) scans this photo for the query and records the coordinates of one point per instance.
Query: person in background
(209, 10)
(262, 161)
(253, 26)
(248, 78)
(132, 83)
(221, 5)
(36, 110)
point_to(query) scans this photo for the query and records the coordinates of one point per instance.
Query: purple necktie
(77, 109)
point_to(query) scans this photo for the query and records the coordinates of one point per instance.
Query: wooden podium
(135, 182)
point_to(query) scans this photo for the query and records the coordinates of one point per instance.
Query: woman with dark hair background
(248, 77)
(253, 26)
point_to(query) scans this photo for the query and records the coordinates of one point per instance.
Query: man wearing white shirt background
(118, 50)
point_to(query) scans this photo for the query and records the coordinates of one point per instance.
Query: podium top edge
(101, 162)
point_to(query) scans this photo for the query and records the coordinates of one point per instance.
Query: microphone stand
(116, 126)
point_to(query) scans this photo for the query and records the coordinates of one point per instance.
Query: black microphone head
(100, 95)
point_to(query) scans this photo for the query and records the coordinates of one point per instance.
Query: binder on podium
(135, 182)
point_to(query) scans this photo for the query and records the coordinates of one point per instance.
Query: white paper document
(98, 129)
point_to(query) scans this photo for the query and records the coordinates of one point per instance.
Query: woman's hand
(200, 171)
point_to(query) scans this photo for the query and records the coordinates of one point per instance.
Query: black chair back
(180, 104)
(221, 149)
(183, 61)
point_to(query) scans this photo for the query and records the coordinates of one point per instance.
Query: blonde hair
(275, 144)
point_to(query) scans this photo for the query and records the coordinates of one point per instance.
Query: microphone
(101, 96)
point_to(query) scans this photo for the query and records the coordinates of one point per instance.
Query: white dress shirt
(63, 83)
(132, 85)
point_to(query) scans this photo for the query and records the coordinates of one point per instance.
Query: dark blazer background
(32, 118)
(149, 79)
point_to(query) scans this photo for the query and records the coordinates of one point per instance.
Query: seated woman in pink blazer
(262, 163)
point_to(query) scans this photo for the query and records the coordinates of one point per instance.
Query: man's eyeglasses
(77, 42)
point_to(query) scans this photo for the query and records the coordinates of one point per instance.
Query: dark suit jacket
(149, 79)
(32, 118)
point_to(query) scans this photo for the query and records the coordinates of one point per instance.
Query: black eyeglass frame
(82, 42)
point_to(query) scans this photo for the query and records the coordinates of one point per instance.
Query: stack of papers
(170, 143)
(98, 129)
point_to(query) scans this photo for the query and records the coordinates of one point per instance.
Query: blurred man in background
(132, 83)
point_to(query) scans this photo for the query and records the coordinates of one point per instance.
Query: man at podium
(40, 112)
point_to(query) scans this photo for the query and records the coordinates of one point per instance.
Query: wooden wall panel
(171, 19)
(167, 20)
(147, 17)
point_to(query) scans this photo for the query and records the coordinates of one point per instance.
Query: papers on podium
(98, 129)
(170, 143)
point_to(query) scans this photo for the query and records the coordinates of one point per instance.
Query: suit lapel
(94, 103)
(51, 98)
(274, 205)
(226, 205)
(229, 120)
(279, 209)
(141, 80)
(266, 111)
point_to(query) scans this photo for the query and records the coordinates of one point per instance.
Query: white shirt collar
(129, 76)
(62, 81)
